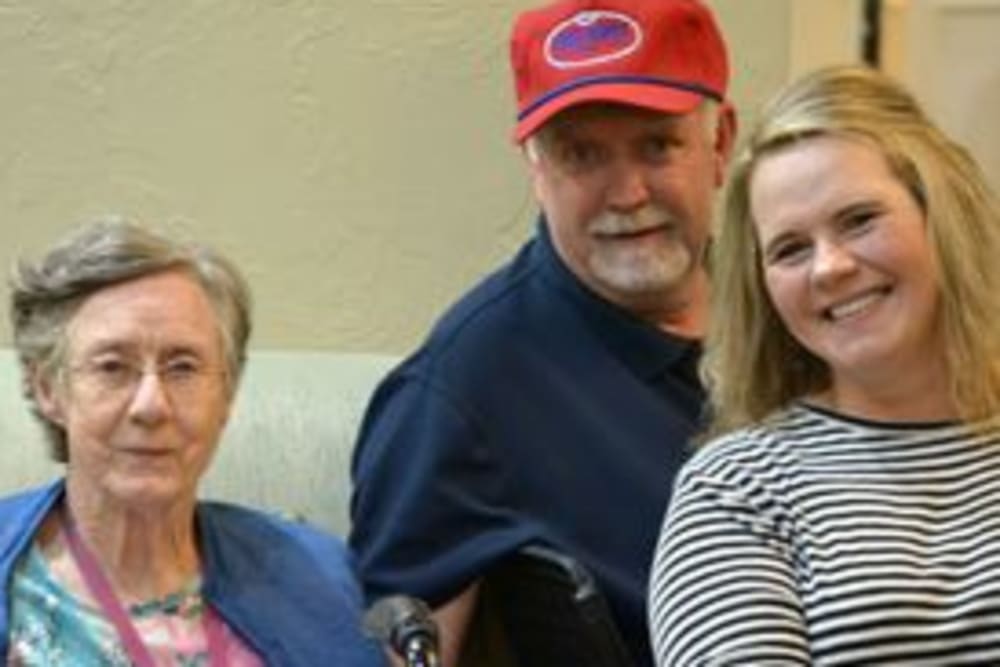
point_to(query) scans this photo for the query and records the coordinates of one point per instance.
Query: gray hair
(534, 145)
(45, 295)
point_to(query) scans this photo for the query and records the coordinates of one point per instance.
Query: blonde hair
(753, 366)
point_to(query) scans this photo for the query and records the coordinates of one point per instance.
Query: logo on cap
(592, 37)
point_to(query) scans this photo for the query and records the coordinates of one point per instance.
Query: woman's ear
(48, 394)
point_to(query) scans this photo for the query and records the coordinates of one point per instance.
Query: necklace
(112, 607)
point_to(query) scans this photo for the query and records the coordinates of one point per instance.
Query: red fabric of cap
(665, 55)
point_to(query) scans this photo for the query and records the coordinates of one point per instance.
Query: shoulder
(27, 507)
(770, 448)
(288, 585)
(483, 334)
(492, 320)
(256, 535)
(21, 514)
(494, 298)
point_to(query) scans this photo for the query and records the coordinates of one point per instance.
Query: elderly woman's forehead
(152, 307)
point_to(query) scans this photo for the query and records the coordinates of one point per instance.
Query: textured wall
(352, 156)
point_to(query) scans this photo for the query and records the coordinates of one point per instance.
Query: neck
(143, 554)
(684, 314)
(920, 396)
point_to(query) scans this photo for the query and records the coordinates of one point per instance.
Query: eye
(858, 221)
(580, 156)
(656, 148)
(109, 371)
(181, 369)
(110, 366)
(787, 252)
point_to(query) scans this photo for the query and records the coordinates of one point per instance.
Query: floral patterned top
(55, 621)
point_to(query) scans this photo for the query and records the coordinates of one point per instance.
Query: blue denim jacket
(286, 588)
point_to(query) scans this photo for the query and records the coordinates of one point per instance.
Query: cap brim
(644, 95)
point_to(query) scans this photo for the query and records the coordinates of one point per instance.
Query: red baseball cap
(666, 55)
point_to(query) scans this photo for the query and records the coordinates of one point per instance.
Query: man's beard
(640, 266)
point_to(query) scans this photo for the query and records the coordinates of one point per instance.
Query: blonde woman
(847, 508)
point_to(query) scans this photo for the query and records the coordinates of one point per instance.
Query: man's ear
(48, 395)
(725, 141)
(530, 153)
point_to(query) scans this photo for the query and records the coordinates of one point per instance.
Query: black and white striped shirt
(821, 539)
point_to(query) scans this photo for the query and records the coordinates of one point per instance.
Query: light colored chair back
(287, 446)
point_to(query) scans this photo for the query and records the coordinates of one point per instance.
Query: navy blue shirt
(535, 412)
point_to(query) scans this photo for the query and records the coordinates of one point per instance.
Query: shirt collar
(644, 348)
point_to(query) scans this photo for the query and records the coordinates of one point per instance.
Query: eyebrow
(116, 346)
(105, 346)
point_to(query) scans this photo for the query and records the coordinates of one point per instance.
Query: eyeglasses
(118, 378)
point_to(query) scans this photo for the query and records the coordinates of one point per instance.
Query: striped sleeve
(723, 586)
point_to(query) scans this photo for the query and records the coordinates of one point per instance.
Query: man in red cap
(554, 402)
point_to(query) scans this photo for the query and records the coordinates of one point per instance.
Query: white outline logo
(584, 20)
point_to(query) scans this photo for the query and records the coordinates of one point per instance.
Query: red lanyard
(112, 607)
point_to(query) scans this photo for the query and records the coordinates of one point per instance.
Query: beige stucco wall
(352, 156)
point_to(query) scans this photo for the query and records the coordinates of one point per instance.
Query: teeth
(853, 306)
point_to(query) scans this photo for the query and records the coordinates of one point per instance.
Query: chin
(141, 492)
(647, 289)
(647, 275)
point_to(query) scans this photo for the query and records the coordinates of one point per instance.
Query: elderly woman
(131, 347)
(848, 510)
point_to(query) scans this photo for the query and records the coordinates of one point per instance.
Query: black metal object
(553, 613)
(871, 36)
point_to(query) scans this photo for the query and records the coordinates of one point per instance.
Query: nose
(628, 190)
(150, 403)
(831, 262)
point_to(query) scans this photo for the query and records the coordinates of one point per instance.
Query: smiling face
(628, 196)
(143, 395)
(848, 265)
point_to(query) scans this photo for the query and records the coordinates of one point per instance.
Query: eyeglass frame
(119, 377)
